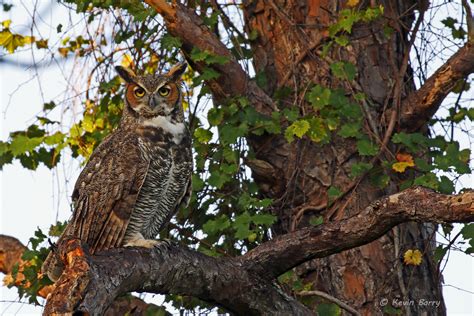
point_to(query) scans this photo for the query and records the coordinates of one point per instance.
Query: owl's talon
(146, 243)
(166, 243)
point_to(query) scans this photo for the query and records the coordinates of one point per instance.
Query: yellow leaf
(14, 42)
(8, 280)
(63, 51)
(404, 161)
(400, 166)
(5, 37)
(127, 61)
(6, 23)
(352, 3)
(413, 257)
(29, 39)
(42, 43)
(185, 105)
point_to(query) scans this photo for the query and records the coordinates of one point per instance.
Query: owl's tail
(52, 266)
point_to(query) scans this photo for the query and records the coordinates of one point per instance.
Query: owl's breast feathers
(167, 186)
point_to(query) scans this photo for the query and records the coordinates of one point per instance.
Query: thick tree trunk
(290, 34)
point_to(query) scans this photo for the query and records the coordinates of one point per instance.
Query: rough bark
(11, 250)
(243, 285)
(422, 104)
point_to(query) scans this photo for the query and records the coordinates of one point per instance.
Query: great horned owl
(139, 176)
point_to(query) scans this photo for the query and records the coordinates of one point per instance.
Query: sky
(32, 199)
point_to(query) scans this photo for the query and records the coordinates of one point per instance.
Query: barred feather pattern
(165, 189)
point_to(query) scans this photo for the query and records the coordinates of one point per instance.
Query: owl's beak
(155, 100)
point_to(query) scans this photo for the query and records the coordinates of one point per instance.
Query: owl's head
(155, 95)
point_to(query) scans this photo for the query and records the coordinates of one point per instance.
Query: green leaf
(218, 179)
(350, 130)
(333, 193)
(49, 106)
(446, 186)
(423, 165)
(319, 97)
(344, 70)
(316, 220)
(209, 74)
(215, 59)
(366, 148)
(414, 142)
(328, 309)
(213, 226)
(241, 225)
(215, 116)
(379, 179)
(197, 183)
(317, 131)
(439, 253)
(342, 40)
(467, 231)
(54, 139)
(449, 22)
(229, 134)
(4, 147)
(202, 135)
(290, 114)
(298, 128)
(170, 42)
(428, 180)
(22, 144)
(360, 168)
(264, 219)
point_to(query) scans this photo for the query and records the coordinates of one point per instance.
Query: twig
(331, 299)
(469, 21)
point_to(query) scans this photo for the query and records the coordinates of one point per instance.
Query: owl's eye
(164, 91)
(139, 92)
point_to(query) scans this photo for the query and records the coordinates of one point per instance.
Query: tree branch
(11, 250)
(422, 104)
(415, 204)
(246, 284)
(183, 23)
(90, 283)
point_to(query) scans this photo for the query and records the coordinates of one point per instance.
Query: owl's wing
(106, 192)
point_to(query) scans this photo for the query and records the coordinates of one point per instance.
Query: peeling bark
(11, 250)
(422, 104)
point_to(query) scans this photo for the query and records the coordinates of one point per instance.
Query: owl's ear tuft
(126, 74)
(177, 71)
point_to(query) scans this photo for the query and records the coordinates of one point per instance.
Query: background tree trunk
(287, 50)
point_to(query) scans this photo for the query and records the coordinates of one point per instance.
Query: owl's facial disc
(164, 99)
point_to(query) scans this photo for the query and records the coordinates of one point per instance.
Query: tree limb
(415, 204)
(421, 105)
(246, 284)
(183, 22)
(90, 283)
(11, 250)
